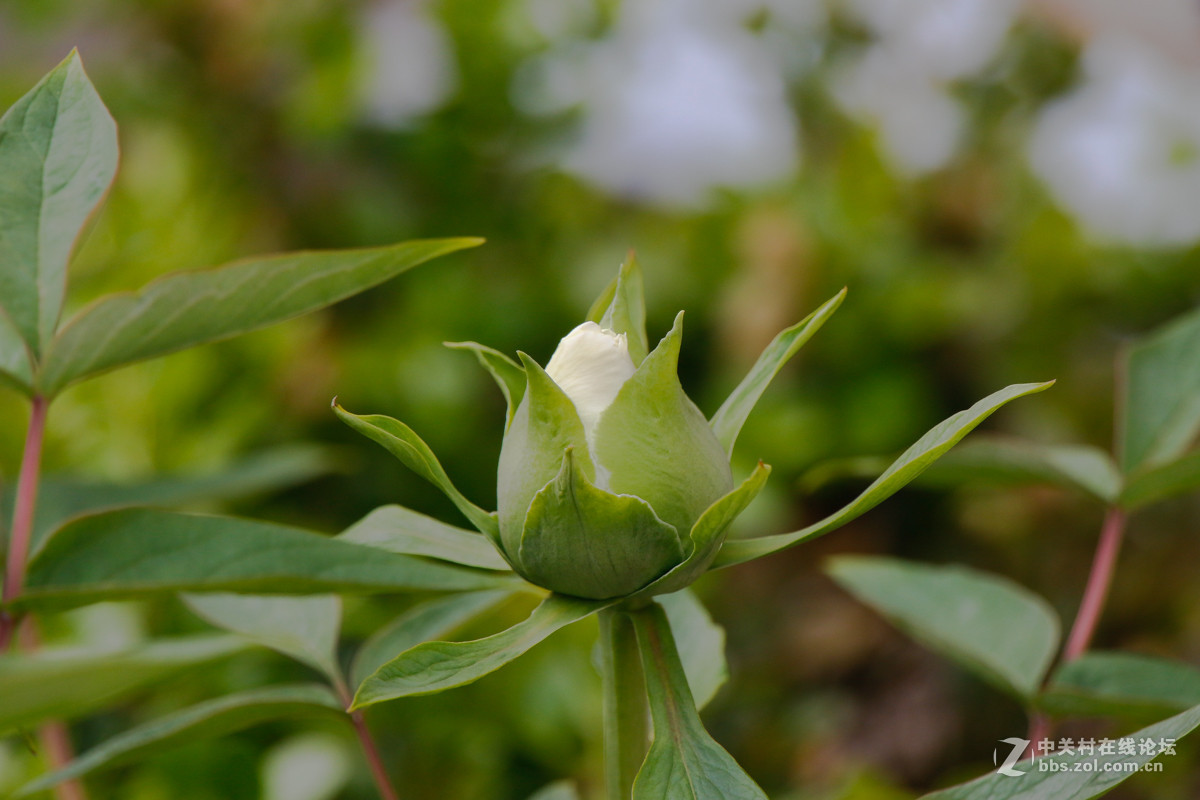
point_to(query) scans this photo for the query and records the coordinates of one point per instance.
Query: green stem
(625, 718)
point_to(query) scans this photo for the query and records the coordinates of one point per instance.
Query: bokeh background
(1010, 191)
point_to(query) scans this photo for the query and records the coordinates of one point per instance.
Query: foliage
(242, 131)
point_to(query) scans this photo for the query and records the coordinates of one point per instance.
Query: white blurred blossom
(1169, 27)
(919, 123)
(1122, 151)
(943, 39)
(680, 99)
(409, 68)
(309, 766)
(900, 82)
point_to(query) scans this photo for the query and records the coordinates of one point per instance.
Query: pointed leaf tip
(403, 442)
(727, 422)
(58, 145)
(185, 309)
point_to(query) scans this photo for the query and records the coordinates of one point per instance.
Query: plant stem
(370, 750)
(1104, 564)
(1099, 580)
(56, 741)
(1039, 728)
(625, 722)
(22, 526)
(54, 736)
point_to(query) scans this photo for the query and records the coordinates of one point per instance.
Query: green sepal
(684, 762)
(543, 427)
(727, 422)
(621, 308)
(508, 374)
(402, 442)
(657, 445)
(708, 534)
(586, 542)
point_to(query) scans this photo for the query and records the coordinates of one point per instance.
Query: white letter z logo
(1018, 749)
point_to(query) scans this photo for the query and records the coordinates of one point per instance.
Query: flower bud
(605, 467)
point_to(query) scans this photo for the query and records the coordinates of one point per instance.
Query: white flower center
(590, 365)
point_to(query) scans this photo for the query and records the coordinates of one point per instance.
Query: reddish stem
(374, 759)
(56, 741)
(54, 735)
(22, 527)
(1039, 728)
(1103, 565)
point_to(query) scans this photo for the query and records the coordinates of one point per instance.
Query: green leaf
(436, 619)
(207, 720)
(1081, 776)
(544, 425)
(684, 762)
(508, 374)
(15, 371)
(1174, 478)
(727, 422)
(995, 460)
(656, 443)
(1160, 412)
(68, 683)
(701, 643)
(304, 628)
(402, 442)
(436, 666)
(990, 625)
(586, 542)
(58, 155)
(1121, 683)
(621, 308)
(401, 530)
(909, 465)
(708, 533)
(189, 308)
(144, 552)
(59, 499)
(990, 460)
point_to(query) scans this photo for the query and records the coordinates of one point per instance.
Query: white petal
(590, 365)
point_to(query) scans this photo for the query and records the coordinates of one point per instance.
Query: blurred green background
(1009, 191)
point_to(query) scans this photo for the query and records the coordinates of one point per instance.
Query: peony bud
(605, 467)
